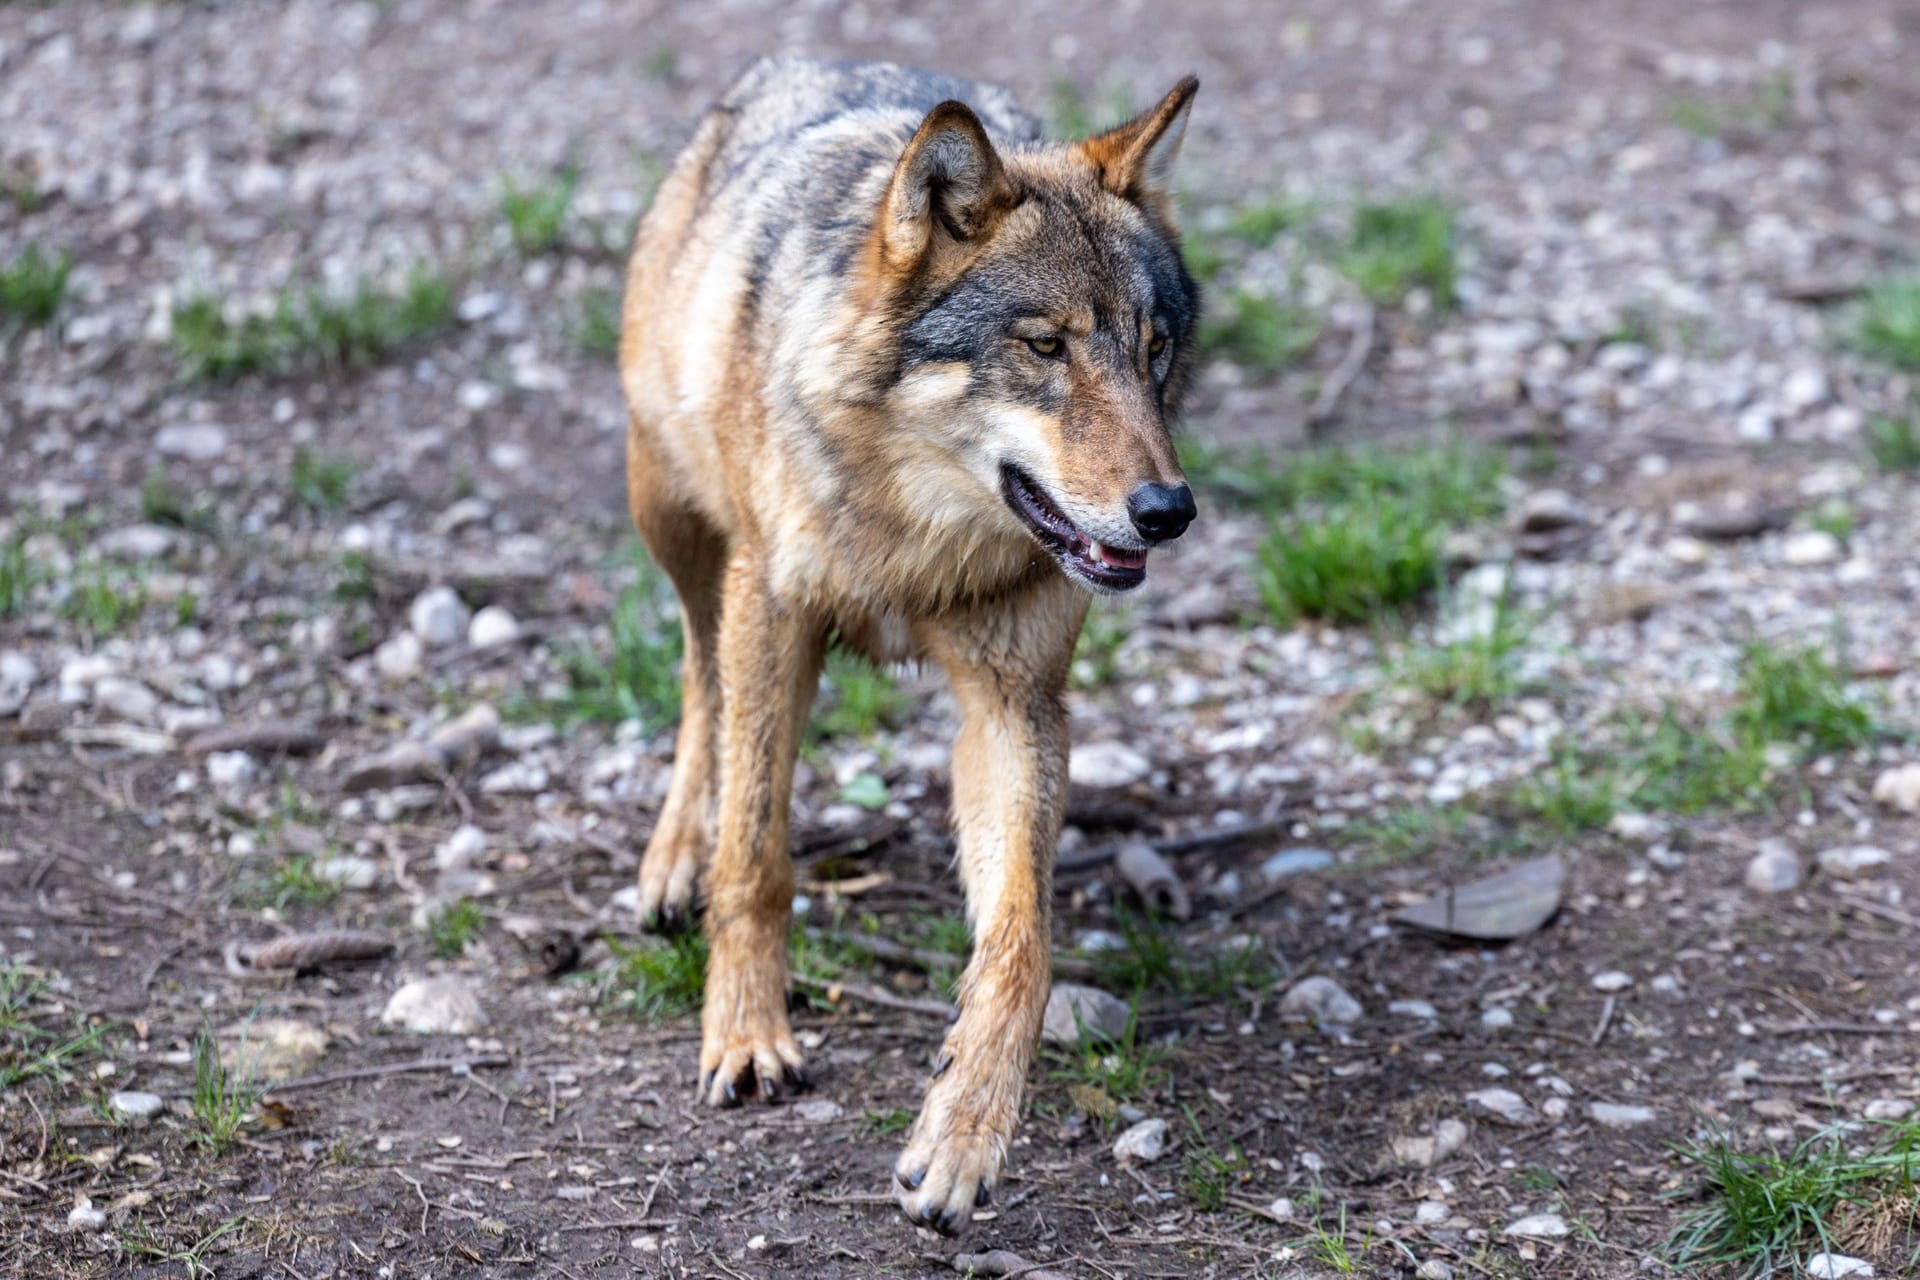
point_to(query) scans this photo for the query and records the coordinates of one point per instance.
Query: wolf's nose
(1161, 512)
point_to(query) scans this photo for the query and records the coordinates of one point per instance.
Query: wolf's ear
(1135, 159)
(949, 188)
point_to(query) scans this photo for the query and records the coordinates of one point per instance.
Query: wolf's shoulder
(801, 90)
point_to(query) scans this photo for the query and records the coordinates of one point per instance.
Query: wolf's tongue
(1118, 558)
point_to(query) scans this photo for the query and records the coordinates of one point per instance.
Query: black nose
(1161, 512)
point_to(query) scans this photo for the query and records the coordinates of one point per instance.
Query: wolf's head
(1042, 325)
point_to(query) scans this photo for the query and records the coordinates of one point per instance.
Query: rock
(1775, 869)
(1281, 1210)
(438, 617)
(818, 1110)
(1431, 1213)
(516, 778)
(349, 871)
(1142, 1144)
(228, 770)
(272, 1048)
(1636, 826)
(84, 1217)
(1545, 510)
(135, 1107)
(1731, 522)
(492, 626)
(1811, 547)
(1433, 1269)
(1542, 1225)
(126, 699)
(1496, 908)
(1611, 981)
(1153, 879)
(1506, 1104)
(1899, 788)
(1320, 1000)
(435, 1006)
(1106, 765)
(461, 849)
(1888, 1109)
(1414, 1009)
(399, 657)
(452, 745)
(1294, 862)
(17, 675)
(1805, 388)
(136, 542)
(1426, 1150)
(1201, 605)
(1497, 1018)
(1852, 861)
(1071, 1007)
(1835, 1266)
(1616, 1115)
(199, 440)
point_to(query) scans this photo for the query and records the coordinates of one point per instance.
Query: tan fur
(792, 490)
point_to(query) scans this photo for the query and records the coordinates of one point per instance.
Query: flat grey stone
(1509, 905)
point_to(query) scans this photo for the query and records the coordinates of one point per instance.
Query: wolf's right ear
(949, 189)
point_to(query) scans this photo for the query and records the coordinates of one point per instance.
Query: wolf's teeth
(1099, 554)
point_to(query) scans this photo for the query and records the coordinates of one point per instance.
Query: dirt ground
(1712, 165)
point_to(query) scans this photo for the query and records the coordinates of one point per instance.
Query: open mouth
(1112, 568)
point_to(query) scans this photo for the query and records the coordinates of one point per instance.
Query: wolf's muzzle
(1161, 512)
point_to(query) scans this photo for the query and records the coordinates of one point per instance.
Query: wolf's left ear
(948, 189)
(1135, 159)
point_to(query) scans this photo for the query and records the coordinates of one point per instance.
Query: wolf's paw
(754, 1058)
(667, 875)
(944, 1176)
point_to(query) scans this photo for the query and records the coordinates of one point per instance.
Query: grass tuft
(1477, 670)
(1355, 564)
(32, 288)
(1797, 695)
(1399, 245)
(1258, 332)
(1894, 443)
(1211, 1174)
(320, 482)
(639, 679)
(455, 927)
(310, 328)
(222, 1098)
(657, 980)
(17, 576)
(536, 215)
(1119, 1069)
(1889, 326)
(597, 329)
(857, 699)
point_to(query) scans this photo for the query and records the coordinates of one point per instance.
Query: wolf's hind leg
(694, 556)
(1009, 668)
(770, 654)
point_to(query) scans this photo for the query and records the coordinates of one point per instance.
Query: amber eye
(1050, 348)
(1157, 345)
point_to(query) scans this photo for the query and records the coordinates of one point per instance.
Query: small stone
(1414, 1009)
(84, 1217)
(1320, 999)
(1899, 788)
(435, 1006)
(1805, 388)
(134, 1106)
(272, 1048)
(136, 542)
(579, 1192)
(1142, 1144)
(399, 657)
(1546, 510)
(1294, 862)
(229, 770)
(1620, 1116)
(1888, 1109)
(492, 626)
(1281, 1210)
(1505, 1103)
(1837, 1266)
(1543, 1225)
(438, 617)
(17, 675)
(1430, 1213)
(126, 699)
(518, 778)
(1497, 1018)
(1428, 1149)
(1852, 861)
(1071, 1006)
(1811, 547)
(1612, 980)
(349, 871)
(199, 440)
(1636, 826)
(461, 849)
(1775, 869)
(1433, 1269)
(1106, 765)
(818, 1110)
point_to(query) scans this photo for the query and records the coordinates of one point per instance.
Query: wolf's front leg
(770, 655)
(1009, 792)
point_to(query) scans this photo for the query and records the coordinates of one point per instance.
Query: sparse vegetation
(1798, 696)
(1889, 325)
(294, 878)
(16, 576)
(162, 502)
(1399, 245)
(1571, 794)
(536, 214)
(32, 288)
(890, 1123)
(1211, 1173)
(1763, 1209)
(1767, 106)
(1355, 564)
(656, 980)
(1154, 959)
(1477, 669)
(1258, 332)
(1110, 1071)
(1258, 223)
(455, 927)
(639, 679)
(1096, 654)
(104, 599)
(223, 1096)
(598, 328)
(309, 328)
(28, 1050)
(857, 699)
(1894, 443)
(140, 1240)
(320, 482)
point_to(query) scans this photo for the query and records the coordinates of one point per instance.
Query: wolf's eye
(1157, 345)
(1047, 348)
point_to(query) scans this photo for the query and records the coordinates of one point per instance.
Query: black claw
(983, 1197)
(733, 1096)
(799, 1077)
(911, 1181)
(769, 1088)
(948, 1223)
(706, 1083)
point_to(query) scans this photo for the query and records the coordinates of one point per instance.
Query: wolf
(899, 375)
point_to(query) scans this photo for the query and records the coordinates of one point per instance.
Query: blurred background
(1557, 452)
